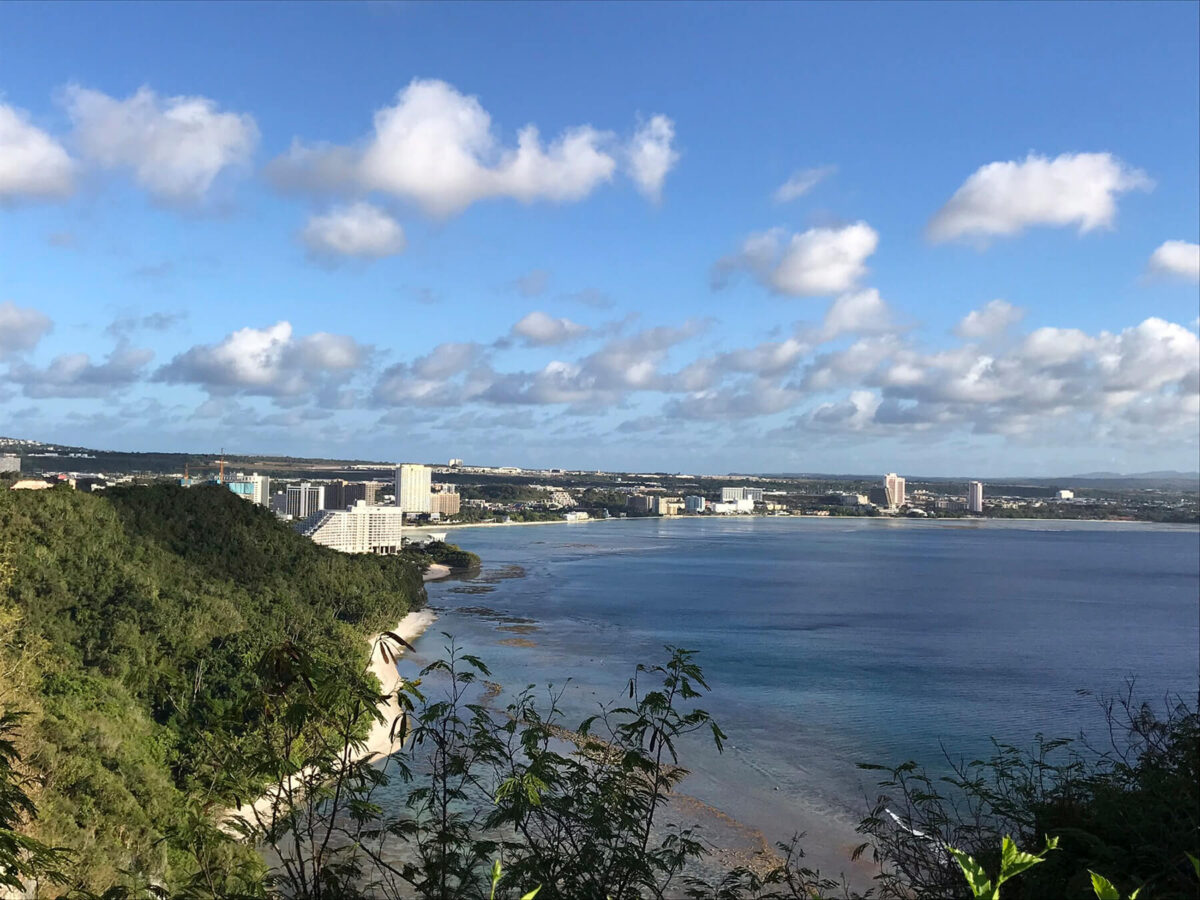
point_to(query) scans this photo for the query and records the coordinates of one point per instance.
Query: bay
(829, 642)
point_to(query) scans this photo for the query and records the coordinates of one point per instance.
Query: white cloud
(449, 375)
(20, 328)
(862, 312)
(854, 414)
(359, 229)
(437, 148)
(32, 164)
(750, 399)
(992, 320)
(1149, 356)
(267, 361)
(801, 182)
(448, 359)
(1177, 258)
(1005, 198)
(457, 374)
(651, 156)
(175, 146)
(541, 330)
(1047, 347)
(817, 262)
(1055, 380)
(75, 375)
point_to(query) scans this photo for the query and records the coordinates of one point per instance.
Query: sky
(955, 239)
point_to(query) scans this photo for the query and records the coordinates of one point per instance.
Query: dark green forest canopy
(140, 614)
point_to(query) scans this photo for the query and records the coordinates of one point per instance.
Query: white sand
(379, 740)
(433, 573)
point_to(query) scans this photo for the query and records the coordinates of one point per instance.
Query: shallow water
(829, 642)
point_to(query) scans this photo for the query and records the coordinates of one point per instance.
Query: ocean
(829, 642)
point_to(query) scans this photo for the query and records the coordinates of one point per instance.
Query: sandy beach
(379, 740)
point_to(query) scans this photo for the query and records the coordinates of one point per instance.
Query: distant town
(365, 507)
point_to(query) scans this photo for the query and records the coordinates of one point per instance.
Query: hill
(131, 623)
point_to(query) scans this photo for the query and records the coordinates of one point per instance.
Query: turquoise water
(830, 641)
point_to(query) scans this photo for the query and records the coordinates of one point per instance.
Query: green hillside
(131, 625)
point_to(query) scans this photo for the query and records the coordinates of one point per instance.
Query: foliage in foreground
(1129, 809)
(587, 813)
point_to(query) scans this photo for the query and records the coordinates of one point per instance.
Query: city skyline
(431, 247)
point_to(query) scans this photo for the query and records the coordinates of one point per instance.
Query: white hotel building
(359, 529)
(414, 484)
(734, 494)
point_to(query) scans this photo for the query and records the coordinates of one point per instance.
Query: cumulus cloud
(457, 374)
(269, 361)
(745, 400)
(855, 413)
(1178, 259)
(451, 374)
(801, 182)
(991, 320)
(20, 328)
(1102, 385)
(541, 330)
(436, 147)
(817, 262)
(358, 230)
(1005, 198)
(32, 163)
(601, 379)
(861, 312)
(651, 156)
(175, 146)
(75, 375)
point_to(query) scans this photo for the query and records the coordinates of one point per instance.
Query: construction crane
(221, 469)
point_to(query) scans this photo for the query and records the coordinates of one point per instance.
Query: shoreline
(740, 516)
(378, 741)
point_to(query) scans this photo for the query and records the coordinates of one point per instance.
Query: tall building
(10, 462)
(335, 495)
(639, 504)
(894, 485)
(668, 506)
(975, 496)
(693, 504)
(255, 488)
(445, 503)
(413, 485)
(367, 491)
(359, 529)
(304, 500)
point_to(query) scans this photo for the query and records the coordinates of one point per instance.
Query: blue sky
(328, 230)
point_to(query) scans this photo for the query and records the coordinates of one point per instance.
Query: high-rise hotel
(975, 496)
(413, 488)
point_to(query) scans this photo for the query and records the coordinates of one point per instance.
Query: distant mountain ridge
(1172, 474)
